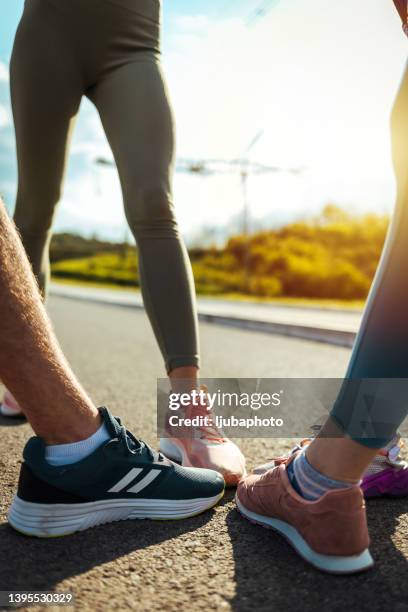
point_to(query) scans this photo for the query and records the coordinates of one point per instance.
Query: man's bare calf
(32, 364)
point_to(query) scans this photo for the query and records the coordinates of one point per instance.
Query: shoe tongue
(111, 423)
(114, 425)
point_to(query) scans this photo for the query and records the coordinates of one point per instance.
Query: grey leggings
(374, 398)
(107, 50)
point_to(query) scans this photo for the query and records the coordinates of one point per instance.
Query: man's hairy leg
(32, 364)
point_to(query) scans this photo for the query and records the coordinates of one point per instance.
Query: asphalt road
(323, 324)
(216, 561)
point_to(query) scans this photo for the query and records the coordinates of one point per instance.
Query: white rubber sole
(54, 520)
(326, 563)
(10, 412)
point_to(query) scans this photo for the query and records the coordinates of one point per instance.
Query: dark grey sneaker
(123, 479)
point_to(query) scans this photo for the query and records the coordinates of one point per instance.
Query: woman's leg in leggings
(134, 107)
(381, 348)
(46, 92)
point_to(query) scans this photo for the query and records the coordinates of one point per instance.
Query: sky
(315, 78)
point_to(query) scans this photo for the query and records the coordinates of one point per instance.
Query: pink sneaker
(330, 533)
(9, 407)
(205, 447)
(386, 476)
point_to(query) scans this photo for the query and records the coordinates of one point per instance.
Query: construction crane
(261, 11)
(243, 166)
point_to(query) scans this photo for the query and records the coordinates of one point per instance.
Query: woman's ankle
(339, 457)
(184, 379)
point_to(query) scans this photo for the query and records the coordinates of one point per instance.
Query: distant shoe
(123, 479)
(10, 408)
(205, 447)
(274, 461)
(330, 533)
(386, 476)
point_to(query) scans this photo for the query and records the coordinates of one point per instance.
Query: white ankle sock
(66, 454)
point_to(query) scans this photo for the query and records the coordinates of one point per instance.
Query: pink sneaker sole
(173, 450)
(10, 411)
(330, 564)
(11, 415)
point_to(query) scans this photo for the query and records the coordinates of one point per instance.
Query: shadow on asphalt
(39, 564)
(269, 575)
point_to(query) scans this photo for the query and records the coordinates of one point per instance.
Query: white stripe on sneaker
(123, 482)
(142, 484)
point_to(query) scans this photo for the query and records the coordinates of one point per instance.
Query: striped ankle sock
(308, 482)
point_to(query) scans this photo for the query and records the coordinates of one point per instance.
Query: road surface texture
(216, 561)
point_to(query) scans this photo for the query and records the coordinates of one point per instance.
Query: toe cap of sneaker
(245, 492)
(191, 483)
(228, 460)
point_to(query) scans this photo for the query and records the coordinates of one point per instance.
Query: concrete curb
(327, 336)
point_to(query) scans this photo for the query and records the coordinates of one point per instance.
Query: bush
(332, 256)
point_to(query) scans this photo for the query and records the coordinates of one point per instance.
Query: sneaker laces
(389, 455)
(298, 447)
(210, 431)
(133, 445)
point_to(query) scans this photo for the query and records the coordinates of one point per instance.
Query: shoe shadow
(269, 575)
(12, 421)
(40, 564)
